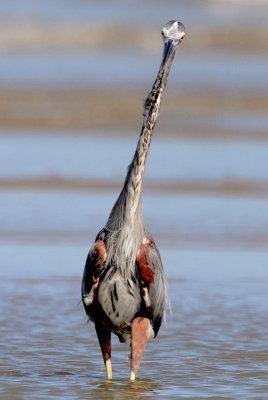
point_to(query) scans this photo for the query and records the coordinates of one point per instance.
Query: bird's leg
(141, 332)
(104, 336)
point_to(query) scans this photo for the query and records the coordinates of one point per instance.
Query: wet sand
(119, 111)
(26, 35)
(225, 188)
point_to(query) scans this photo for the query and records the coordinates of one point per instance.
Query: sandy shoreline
(34, 36)
(214, 188)
(86, 110)
(165, 239)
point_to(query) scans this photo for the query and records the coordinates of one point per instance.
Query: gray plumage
(123, 277)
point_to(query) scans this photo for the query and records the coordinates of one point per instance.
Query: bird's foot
(132, 376)
(108, 365)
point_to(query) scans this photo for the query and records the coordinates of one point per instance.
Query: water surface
(214, 70)
(213, 344)
(205, 201)
(97, 157)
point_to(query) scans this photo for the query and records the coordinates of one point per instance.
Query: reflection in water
(121, 389)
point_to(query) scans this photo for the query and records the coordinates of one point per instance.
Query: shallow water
(220, 12)
(221, 218)
(184, 220)
(214, 243)
(76, 157)
(192, 71)
(213, 345)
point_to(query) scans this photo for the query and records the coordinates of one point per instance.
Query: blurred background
(73, 78)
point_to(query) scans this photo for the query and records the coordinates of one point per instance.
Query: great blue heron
(123, 287)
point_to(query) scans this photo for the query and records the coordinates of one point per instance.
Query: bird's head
(173, 33)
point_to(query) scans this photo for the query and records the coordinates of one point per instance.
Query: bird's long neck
(128, 204)
(132, 189)
(125, 224)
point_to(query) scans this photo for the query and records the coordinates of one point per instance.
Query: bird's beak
(169, 48)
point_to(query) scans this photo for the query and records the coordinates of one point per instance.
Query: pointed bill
(169, 48)
(173, 33)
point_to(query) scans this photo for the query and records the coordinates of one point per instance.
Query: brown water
(213, 346)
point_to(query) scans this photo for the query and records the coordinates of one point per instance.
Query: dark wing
(93, 269)
(152, 281)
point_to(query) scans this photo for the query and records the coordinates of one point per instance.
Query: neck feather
(132, 189)
(125, 224)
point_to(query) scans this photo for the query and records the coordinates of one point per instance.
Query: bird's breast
(120, 299)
